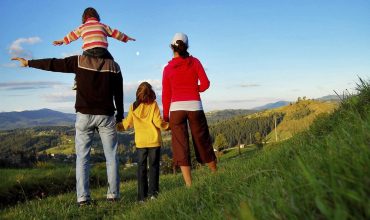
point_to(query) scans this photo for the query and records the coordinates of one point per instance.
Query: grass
(298, 117)
(322, 173)
(66, 146)
(48, 179)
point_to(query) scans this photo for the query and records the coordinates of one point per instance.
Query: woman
(182, 105)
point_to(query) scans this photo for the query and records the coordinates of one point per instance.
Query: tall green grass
(20, 185)
(322, 173)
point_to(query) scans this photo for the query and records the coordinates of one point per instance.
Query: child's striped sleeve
(116, 34)
(72, 36)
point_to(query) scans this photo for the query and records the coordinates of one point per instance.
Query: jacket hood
(177, 62)
(143, 111)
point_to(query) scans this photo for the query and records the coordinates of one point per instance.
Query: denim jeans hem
(112, 196)
(83, 199)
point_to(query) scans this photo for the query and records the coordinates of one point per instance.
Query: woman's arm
(166, 96)
(203, 79)
(157, 120)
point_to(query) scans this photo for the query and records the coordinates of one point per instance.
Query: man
(99, 83)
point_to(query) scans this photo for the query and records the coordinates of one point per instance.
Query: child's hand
(22, 61)
(130, 39)
(58, 42)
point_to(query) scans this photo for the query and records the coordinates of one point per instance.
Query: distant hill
(42, 117)
(221, 115)
(291, 119)
(298, 116)
(272, 105)
(330, 98)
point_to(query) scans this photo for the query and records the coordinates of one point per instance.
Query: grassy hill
(222, 115)
(321, 173)
(298, 117)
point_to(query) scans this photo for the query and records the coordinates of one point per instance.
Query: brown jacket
(99, 82)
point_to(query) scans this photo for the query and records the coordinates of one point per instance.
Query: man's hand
(22, 61)
(58, 42)
(119, 127)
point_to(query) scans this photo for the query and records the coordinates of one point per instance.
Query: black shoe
(84, 203)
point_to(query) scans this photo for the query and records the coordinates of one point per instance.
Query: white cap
(180, 36)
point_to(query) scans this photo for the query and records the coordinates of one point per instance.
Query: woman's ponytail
(181, 48)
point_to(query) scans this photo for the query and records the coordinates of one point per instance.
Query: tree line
(245, 130)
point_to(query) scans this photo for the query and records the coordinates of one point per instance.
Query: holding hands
(120, 127)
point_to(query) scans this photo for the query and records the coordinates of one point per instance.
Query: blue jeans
(85, 127)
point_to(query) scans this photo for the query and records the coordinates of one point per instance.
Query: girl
(145, 117)
(94, 35)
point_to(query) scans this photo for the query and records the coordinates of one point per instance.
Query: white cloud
(26, 85)
(63, 94)
(132, 86)
(60, 97)
(16, 48)
(248, 85)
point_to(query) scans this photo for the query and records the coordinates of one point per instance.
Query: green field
(49, 179)
(320, 173)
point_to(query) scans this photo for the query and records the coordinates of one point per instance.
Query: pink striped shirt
(94, 34)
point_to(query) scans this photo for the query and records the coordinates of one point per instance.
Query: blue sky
(254, 52)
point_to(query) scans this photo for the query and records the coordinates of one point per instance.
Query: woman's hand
(22, 61)
(58, 42)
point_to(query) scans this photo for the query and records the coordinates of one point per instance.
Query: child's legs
(98, 52)
(154, 158)
(142, 177)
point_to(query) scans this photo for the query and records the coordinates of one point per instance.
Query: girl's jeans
(146, 189)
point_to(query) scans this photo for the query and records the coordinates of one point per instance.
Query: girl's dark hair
(90, 13)
(144, 94)
(181, 48)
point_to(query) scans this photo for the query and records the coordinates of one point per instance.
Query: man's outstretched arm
(66, 65)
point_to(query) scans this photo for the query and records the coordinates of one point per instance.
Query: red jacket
(180, 82)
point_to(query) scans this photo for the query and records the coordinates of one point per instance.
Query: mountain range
(33, 118)
(48, 117)
(272, 105)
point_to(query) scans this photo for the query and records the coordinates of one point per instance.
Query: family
(99, 107)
